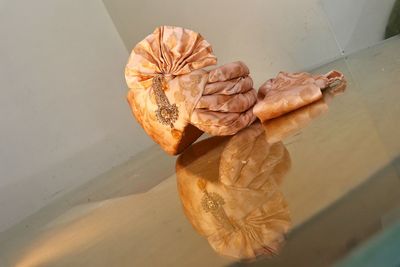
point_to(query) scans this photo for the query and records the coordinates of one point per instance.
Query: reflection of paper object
(229, 188)
(290, 91)
(289, 124)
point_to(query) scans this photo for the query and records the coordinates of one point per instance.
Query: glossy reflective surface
(230, 186)
(333, 172)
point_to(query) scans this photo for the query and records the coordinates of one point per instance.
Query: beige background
(63, 114)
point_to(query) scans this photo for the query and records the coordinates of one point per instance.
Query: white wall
(63, 114)
(267, 35)
(358, 24)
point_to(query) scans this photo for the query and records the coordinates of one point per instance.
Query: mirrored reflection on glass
(230, 186)
(229, 189)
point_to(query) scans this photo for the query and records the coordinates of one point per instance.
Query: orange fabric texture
(227, 102)
(175, 100)
(229, 188)
(290, 91)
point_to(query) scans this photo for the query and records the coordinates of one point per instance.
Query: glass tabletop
(305, 189)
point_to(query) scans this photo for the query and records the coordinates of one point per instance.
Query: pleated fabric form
(175, 100)
(227, 101)
(229, 188)
(290, 91)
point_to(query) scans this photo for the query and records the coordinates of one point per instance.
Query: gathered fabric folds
(229, 188)
(290, 91)
(227, 101)
(175, 100)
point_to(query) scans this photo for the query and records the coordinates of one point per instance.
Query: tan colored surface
(341, 186)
